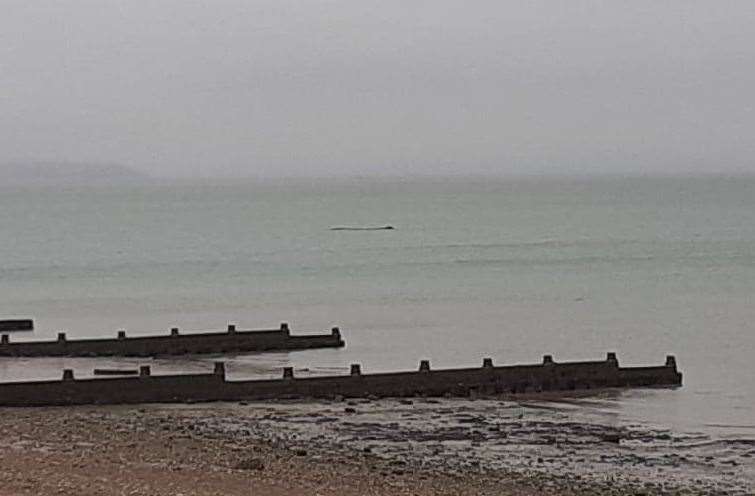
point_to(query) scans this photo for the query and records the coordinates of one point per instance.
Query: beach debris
(13, 325)
(116, 372)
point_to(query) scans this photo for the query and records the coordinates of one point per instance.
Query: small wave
(743, 442)
(731, 426)
(584, 260)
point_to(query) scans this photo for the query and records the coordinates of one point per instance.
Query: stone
(611, 438)
(250, 464)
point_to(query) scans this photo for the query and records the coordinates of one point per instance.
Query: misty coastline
(30, 174)
(49, 174)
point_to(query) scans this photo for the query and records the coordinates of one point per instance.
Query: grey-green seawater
(511, 269)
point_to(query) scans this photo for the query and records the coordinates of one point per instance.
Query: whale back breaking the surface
(366, 228)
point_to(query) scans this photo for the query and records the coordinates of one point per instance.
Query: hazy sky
(279, 87)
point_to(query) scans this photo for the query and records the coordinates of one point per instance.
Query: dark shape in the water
(378, 228)
(231, 341)
(488, 380)
(16, 325)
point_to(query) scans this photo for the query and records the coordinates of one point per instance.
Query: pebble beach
(376, 447)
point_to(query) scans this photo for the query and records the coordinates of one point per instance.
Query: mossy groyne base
(231, 341)
(485, 380)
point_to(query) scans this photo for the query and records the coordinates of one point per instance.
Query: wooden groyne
(231, 341)
(12, 325)
(485, 380)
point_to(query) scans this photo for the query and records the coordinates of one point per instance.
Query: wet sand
(379, 447)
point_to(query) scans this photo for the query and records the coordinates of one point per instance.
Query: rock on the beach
(250, 464)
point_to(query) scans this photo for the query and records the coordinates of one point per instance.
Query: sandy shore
(385, 447)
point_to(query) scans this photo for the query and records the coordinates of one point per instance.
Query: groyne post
(335, 332)
(219, 370)
(611, 359)
(671, 361)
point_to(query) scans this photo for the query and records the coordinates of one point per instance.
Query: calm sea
(511, 269)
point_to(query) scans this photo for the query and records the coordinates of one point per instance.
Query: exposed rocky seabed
(460, 437)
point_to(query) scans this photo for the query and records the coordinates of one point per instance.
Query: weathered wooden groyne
(231, 341)
(11, 325)
(485, 380)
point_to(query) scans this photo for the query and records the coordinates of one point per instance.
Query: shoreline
(379, 447)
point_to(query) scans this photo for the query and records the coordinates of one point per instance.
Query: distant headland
(68, 174)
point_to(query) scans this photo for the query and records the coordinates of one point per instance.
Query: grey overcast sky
(279, 87)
